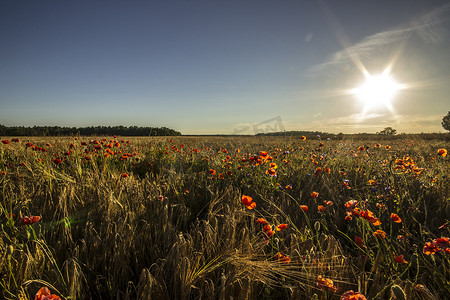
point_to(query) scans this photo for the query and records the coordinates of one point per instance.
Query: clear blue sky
(207, 67)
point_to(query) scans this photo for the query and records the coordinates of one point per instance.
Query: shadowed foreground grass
(154, 218)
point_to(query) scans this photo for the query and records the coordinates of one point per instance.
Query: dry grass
(104, 236)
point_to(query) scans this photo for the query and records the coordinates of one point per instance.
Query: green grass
(173, 230)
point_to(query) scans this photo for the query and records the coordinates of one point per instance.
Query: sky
(224, 67)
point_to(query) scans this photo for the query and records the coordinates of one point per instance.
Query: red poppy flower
(124, 175)
(351, 204)
(262, 221)
(29, 220)
(379, 234)
(400, 259)
(314, 195)
(369, 216)
(375, 221)
(321, 208)
(271, 172)
(6, 142)
(359, 241)
(442, 242)
(442, 152)
(326, 283)
(356, 212)
(267, 227)
(263, 154)
(281, 227)
(282, 258)
(269, 233)
(430, 248)
(304, 208)
(318, 171)
(252, 205)
(395, 218)
(44, 294)
(351, 295)
(289, 187)
(268, 230)
(57, 161)
(247, 201)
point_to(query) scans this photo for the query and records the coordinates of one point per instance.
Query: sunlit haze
(226, 67)
(377, 90)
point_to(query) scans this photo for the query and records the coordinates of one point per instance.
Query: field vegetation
(224, 218)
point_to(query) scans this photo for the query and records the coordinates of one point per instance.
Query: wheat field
(224, 218)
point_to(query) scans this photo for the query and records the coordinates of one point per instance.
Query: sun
(377, 90)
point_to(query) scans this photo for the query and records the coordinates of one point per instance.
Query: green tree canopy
(446, 122)
(388, 131)
(87, 131)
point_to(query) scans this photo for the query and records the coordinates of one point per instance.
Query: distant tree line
(310, 135)
(387, 133)
(86, 131)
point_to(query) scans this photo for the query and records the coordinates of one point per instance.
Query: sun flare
(377, 90)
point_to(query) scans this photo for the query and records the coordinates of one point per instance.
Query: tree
(388, 131)
(94, 131)
(446, 122)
